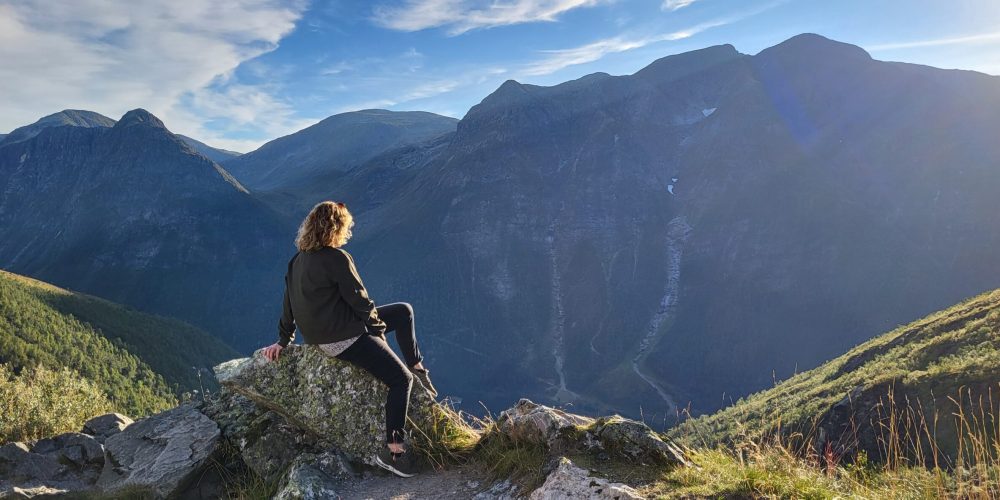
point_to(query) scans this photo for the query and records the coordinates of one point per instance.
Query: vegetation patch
(41, 402)
(141, 362)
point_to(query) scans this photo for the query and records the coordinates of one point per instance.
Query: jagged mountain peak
(66, 117)
(813, 47)
(679, 65)
(78, 118)
(510, 89)
(140, 116)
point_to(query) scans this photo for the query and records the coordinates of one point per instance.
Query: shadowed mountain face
(130, 213)
(688, 232)
(295, 163)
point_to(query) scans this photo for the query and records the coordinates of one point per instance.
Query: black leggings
(375, 356)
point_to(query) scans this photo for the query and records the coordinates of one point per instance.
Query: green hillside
(930, 376)
(141, 362)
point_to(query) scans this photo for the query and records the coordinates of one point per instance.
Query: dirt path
(451, 484)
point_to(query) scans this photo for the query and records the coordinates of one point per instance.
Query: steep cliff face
(132, 214)
(690, 231)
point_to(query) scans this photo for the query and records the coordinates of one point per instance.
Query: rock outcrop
(560, 431)
(158, 456)
(328, 399)
(303, 425)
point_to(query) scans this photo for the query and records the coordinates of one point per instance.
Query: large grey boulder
(67, 462)
(161, 453)
(330, 399)
(569, 482)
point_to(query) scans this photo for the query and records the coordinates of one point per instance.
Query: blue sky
(236, 73)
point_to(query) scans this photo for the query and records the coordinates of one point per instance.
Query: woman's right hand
(272, 351)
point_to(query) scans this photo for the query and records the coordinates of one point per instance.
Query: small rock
(309, 479)
(35, 492)
(104, 426)
(569, 482)
(502, 490)
(636, 440)
(538, 423)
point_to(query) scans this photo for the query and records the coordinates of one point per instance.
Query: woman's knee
(402, 379)
(409, 310)
(402, 310)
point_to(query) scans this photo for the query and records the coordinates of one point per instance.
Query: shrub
(41, 402)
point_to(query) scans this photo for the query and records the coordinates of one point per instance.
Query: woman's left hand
(272, 351)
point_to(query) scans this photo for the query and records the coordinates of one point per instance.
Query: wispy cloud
(936, 42)
(422, 88)
(170, 57)
(460, 16)
(676, 4)
(555, 60)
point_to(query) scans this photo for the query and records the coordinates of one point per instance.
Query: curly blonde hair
(327, 225)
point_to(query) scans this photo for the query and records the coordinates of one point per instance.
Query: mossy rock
(328, 398)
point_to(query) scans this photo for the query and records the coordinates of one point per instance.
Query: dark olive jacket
(325, 298)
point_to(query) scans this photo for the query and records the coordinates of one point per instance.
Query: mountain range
(689, 232)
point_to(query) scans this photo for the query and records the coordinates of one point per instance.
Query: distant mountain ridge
(215, 154)
(70, 117)
(83, 118)
(333, 146)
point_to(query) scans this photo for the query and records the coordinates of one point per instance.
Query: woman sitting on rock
(325, 298)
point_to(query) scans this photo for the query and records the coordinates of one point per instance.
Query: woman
(325, 298)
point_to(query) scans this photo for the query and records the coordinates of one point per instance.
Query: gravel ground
(455, 483)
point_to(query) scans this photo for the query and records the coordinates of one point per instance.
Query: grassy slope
(141, 361)
(956, 347)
